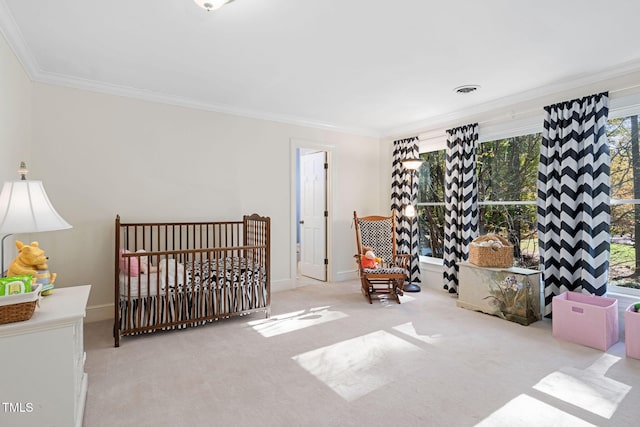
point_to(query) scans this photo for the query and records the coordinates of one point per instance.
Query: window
(507, 179)
(431, 205)
(624, 260)
(507, 191)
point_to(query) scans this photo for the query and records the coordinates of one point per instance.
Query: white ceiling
(367, 66)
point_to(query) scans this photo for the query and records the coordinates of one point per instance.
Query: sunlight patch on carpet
(588, 388)
(525, 411)
(410, 330)
(356, 367)
(388, 301)
(294, 321)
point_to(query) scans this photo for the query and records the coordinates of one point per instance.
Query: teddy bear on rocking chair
(369, 259)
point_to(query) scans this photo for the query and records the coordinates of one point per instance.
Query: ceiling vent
(466, 89)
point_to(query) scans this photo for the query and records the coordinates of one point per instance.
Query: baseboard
(282, 285)
(342, 276)
(96, 313)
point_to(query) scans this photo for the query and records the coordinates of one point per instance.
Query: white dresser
(42, 378)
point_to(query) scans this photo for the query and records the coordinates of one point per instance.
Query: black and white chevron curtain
(573, 198)
(461, 200)
(401, 195)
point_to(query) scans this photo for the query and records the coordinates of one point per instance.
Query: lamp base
(411, 287)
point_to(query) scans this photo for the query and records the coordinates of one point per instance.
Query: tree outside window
(431, 205)
(507, 191)
(507, 179)
(624, 264)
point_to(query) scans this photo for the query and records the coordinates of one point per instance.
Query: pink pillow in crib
(129, 265)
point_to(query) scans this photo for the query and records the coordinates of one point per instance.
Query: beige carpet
(328, 358)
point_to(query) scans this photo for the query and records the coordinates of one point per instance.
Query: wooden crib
(181, 274)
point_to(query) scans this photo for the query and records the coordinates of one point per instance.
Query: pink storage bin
(632, 332)
(585, 319)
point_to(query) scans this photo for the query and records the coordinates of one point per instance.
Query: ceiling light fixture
(466, 89)
(210, 5)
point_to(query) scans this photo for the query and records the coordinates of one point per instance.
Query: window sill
(429, 260)
(431, 264)
(623, 291)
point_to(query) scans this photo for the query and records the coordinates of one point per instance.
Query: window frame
(623, 113)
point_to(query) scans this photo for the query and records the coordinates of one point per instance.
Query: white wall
(15, 113)
(101, 155)
(15, 121)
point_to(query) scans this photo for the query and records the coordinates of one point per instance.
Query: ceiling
(370, 67)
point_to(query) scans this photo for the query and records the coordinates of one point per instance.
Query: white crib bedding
(230, 272)
(148, 285)
(148, 282)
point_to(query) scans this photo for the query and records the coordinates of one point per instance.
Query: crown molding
(544, 93)
(11, 32)
(157, 97)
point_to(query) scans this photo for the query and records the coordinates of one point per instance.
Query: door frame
(300, 144)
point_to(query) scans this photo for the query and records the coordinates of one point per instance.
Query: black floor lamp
(412, 164)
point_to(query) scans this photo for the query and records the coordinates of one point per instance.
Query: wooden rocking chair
(379, 233)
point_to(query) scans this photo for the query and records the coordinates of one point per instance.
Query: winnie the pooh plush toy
(32, 260)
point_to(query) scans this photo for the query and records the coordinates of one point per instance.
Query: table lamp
(25, 208)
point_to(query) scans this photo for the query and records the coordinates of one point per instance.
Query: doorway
(312, 221)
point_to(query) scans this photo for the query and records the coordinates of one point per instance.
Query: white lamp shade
(25, 208)
(412, 163)
(409, 211)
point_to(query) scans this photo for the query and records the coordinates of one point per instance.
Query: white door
(313, 215)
